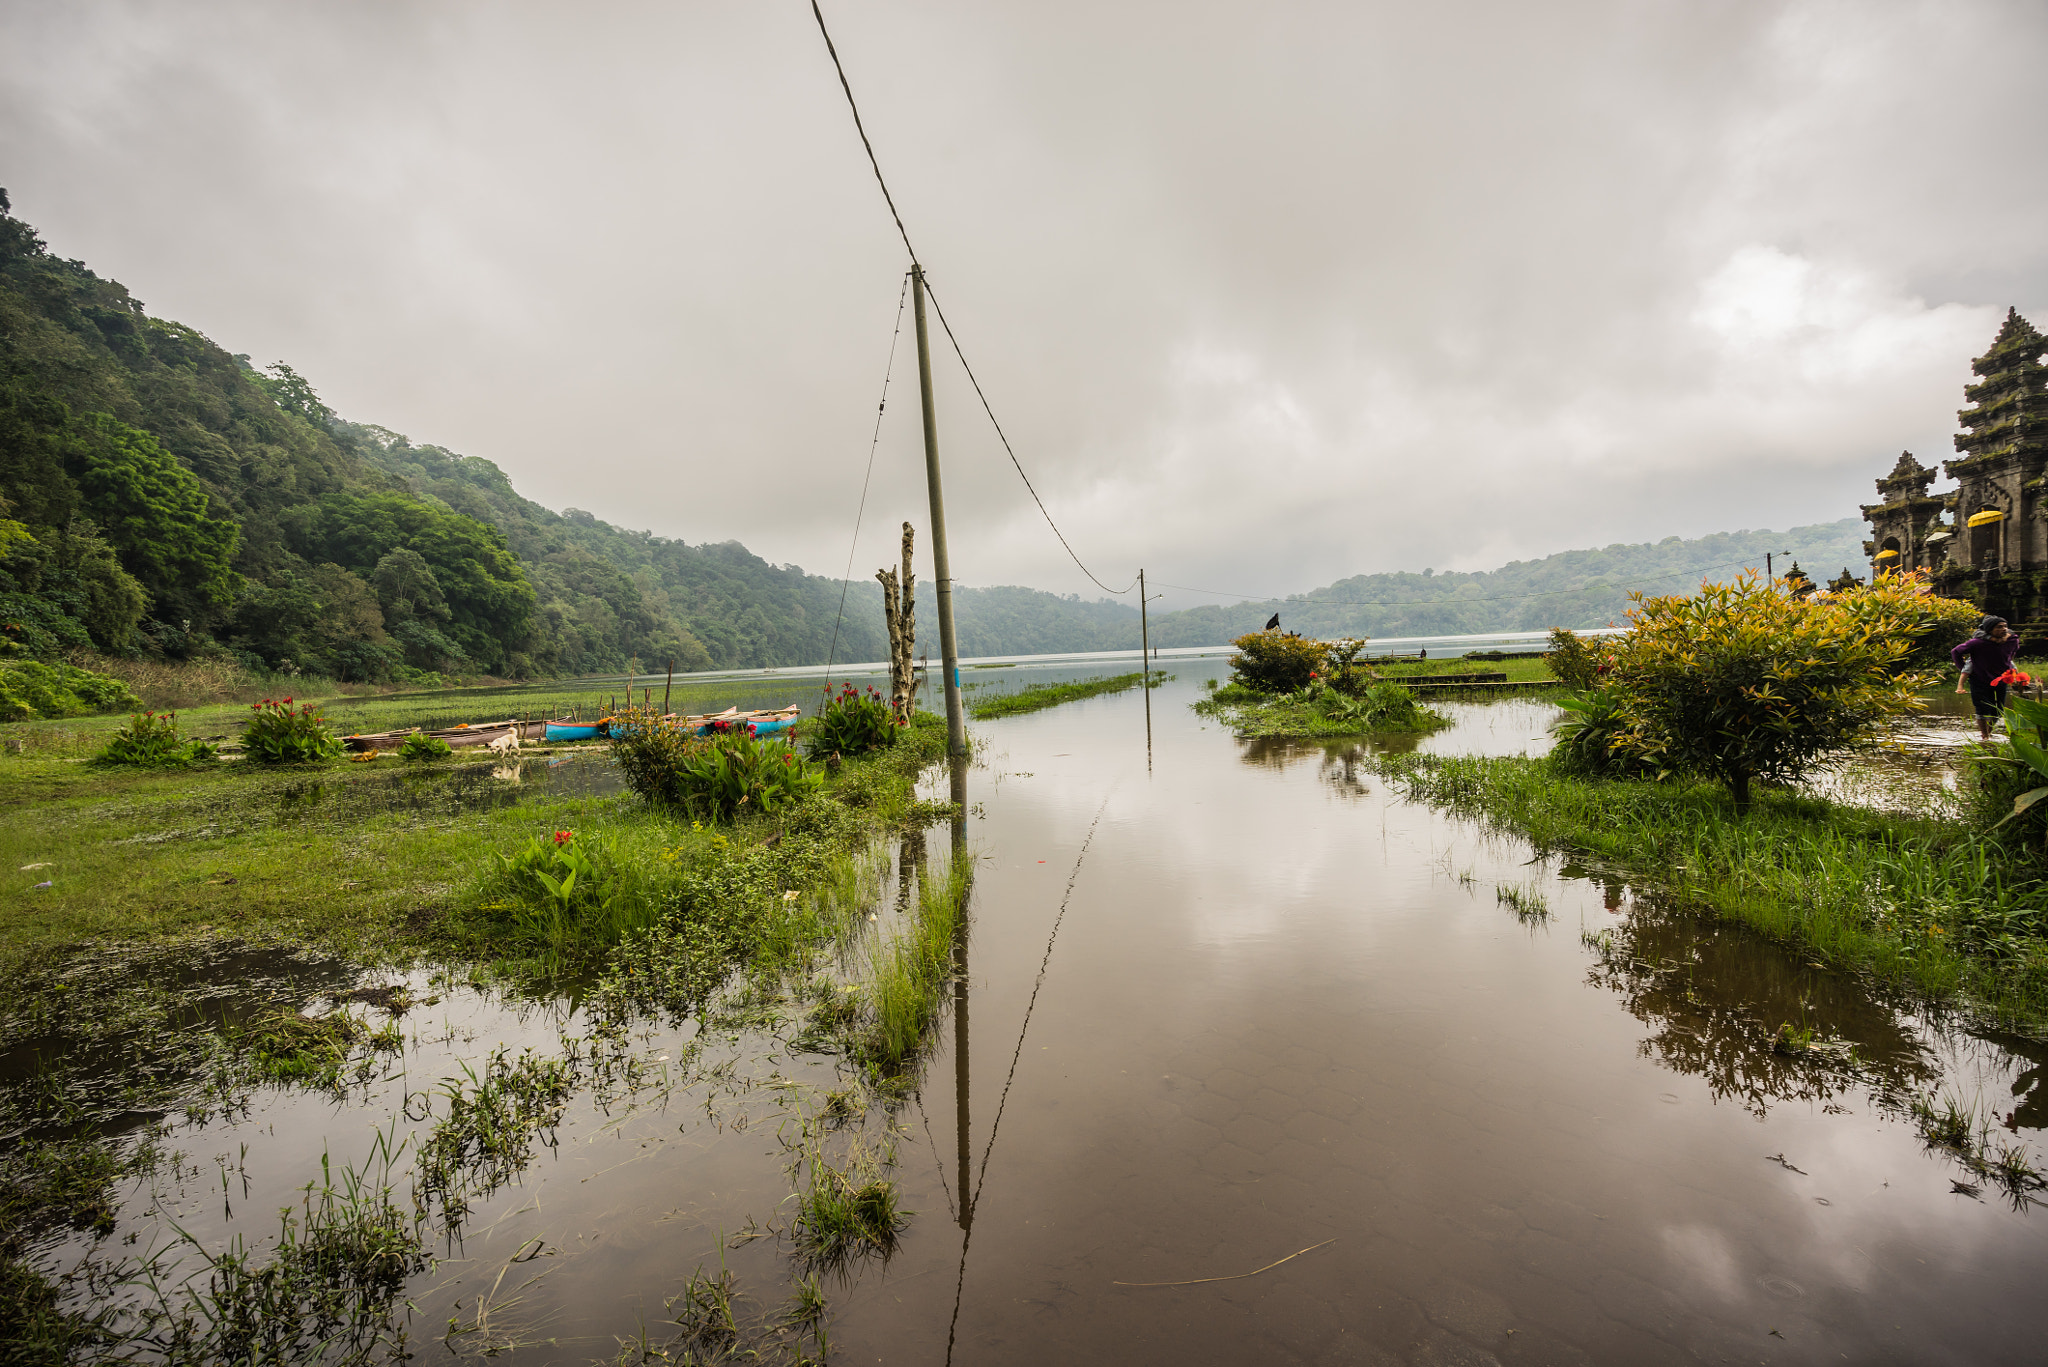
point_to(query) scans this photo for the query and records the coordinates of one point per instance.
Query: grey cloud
(1265, 294)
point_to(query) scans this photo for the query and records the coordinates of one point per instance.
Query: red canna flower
(564, 837)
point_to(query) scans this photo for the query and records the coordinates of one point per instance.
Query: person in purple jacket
(1990, 654)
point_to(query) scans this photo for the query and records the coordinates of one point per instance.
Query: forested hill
(1576, 589)
(164, 496)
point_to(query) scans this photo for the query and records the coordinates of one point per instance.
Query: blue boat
(769, 728)
(570, 730)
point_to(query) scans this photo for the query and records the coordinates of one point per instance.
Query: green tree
(153, 512)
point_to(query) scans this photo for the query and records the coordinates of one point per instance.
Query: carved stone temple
(1985, 540)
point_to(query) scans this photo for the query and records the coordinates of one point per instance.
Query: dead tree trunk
(899, 607)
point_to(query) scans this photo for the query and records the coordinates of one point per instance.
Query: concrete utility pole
(942, 573)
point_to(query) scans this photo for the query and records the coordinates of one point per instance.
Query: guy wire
(832, 656)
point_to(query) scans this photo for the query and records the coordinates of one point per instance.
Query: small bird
(1274, 624)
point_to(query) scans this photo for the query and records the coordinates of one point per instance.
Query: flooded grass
(906, 974)
(1038, 697)
(1914, 901)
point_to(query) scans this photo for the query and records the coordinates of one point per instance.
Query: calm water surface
(1273, 1008)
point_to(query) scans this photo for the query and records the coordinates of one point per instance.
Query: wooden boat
(573, 730)
(458, 737)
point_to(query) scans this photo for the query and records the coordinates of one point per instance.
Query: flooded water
(1233, 1008)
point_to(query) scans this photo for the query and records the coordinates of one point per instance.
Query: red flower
(564, 837)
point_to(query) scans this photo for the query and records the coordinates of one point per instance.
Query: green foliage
(1578, 661)
(654, 753)
(736, 775)
(1277, 662)
(1588, 738)
(853, 723)
(1743, 682)
(2008, 782)
(151, 739)
(32, 690)
(421, 748)
(1320, 709)
(154, 513)
(1906, 606)
(559, 882)
(278, 733)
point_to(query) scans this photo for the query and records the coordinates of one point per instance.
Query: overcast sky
(1265, 294)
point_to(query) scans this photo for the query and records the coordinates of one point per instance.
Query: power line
(832, 655)
(940, 309)
(861, 129)
(875, 163)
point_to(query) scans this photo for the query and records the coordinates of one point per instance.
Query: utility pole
(942, 573)
(1145, 659)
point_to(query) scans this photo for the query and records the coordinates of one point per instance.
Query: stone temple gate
(1986, 540)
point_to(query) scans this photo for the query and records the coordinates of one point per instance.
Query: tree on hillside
(154, 514)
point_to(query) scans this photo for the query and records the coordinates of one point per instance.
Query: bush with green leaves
(35, 689)
(1904, 604)
(2006, 784)
(279, 733)
(1371, 707)
(1746, 683)
(151, 739)
(421, 748)
(853, 723)
(1587, 738)
(652, 751)
(1278, 662)
(1577, 661)
(736, 775)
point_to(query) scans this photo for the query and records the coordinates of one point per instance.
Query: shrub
(1578, 661)
(736, 775)
(151, 738)
(558, 881)
(1906, 606)
(1272, 662)
(1743, 682)
(421, 748)
(652, 751)
(853, 724)
(278, 733)
(33, 689)
(1588, 738)
(1345, 671)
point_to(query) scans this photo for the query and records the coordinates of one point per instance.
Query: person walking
(1990, 654)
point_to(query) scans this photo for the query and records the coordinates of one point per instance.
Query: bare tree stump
(899, 607)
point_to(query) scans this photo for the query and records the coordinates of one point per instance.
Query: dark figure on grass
(1986, 659)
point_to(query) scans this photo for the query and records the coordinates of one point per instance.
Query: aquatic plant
(1527, 903)
(279, 733)
(840, 1216)
(421, 748)
(853, 723)
(492, 1122)
(736, 775)
(151, 739)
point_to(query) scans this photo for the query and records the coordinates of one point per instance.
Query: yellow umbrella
(1987, 516)
(1886, 555)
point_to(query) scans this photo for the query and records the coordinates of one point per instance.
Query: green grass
(907, 975)
(1319, 712)
(1913, 901)
(1518, 668)
(1041, 696)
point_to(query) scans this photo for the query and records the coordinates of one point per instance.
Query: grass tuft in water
(1041, 696)
(1528, 903)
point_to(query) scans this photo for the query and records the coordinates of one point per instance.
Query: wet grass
(1913, 901)
(907, 974)
(1038, 697)
(1317, 712)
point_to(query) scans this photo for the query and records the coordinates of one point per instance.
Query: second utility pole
(942, 574)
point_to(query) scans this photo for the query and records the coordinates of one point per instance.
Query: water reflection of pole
(960, 1069)
(1145, 667)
